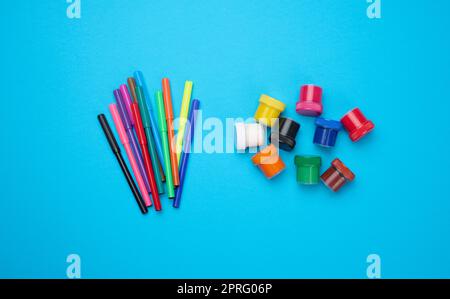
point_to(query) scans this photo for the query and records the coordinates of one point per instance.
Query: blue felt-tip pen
(186, 149)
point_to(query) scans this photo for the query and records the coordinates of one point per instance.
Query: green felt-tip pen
(148, 132)
(165, 142)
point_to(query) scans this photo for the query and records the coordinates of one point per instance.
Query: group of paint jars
(284, 132)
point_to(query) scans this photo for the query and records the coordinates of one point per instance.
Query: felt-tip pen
(165, 143)
(131, 158)
(144, 149)
(121, 106)
(116, 150)
(186, 151)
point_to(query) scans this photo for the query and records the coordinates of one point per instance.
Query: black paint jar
(287, 132)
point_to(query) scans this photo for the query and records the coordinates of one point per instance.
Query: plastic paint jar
(310, 101)
(337, 175)
(269, 110)
(269, 162)
(308, 169)
(249, 135)
(356, 124)
(326, 132)
(287, 132)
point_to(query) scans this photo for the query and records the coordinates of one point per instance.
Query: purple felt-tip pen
(134, 145)
(186, 149)
(127, 100)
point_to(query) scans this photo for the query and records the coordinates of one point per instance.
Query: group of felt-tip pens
(155, 154)
(284, 132)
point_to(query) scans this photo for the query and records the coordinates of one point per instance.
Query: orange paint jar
(269, 162)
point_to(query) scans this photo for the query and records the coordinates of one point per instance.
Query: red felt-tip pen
(144, 148)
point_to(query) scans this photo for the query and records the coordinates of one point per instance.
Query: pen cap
(138, 124)
(140, 81)
(122, 108)
(132, 86)
(191, 127)
(108, 133)
(143, 107)
(194, 106)
(127, 100)
(161, 113)
(118, 122)
(167, 98)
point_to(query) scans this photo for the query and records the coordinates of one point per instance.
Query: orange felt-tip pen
(170, 130)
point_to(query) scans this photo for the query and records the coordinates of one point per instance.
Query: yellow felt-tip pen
(185, 103)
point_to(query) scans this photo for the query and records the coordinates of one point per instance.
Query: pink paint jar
(310, 102)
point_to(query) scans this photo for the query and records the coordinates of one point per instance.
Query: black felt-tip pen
(116, 150)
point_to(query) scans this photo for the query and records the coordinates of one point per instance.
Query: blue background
(62, 191)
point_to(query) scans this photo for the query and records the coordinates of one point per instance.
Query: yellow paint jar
(269, 110)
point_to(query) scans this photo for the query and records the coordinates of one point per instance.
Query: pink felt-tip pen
(126, 144)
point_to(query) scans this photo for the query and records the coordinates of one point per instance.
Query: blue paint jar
(326, 132)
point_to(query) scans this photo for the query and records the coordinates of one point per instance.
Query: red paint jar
(337, 175)
(356, 124)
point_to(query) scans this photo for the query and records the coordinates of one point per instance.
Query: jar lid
(311, 93)
(268, 155)
(347, 173)
(328, 123)
(314, 161)
(284, 142)
(288, 127)
(362, 131)
(274, 103)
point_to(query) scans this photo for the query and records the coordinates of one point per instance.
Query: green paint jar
(308, 169)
